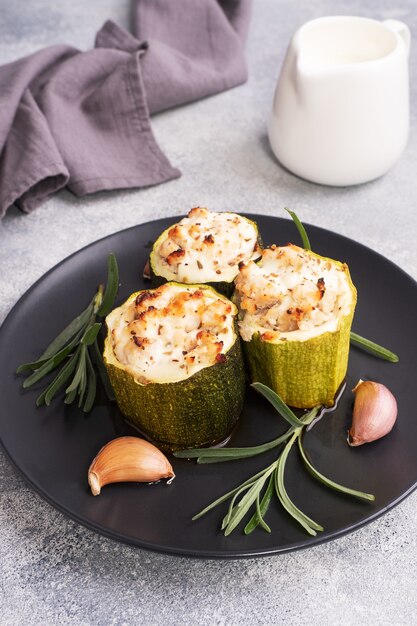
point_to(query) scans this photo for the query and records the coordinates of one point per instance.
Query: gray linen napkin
(81, 119)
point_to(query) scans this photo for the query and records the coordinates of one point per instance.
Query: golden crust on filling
(205, 246)
(290, 290)
(169, 333)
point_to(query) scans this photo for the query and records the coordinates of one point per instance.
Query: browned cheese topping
(169, 333)
(290, 294)
(205, 247)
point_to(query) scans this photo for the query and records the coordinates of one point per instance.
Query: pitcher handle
(403, 31)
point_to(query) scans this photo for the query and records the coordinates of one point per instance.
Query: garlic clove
(374, 413)
(128, 459)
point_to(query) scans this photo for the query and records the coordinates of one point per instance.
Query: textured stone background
(53, 571)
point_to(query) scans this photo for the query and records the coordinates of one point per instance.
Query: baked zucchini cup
(204, 247)
(295, 311)
(174, 360)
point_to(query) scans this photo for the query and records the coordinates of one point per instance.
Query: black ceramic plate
(53, 446)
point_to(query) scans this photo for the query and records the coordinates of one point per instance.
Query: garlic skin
(374, 413)
(128, 459)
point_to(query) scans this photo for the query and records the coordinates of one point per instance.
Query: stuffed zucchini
(204, 247)
(296, 310)
(174, 360)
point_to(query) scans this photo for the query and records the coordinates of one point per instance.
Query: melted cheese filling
(170, 333)
(291, 295)
(205, 247)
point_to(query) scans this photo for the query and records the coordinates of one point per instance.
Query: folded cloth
(81, 119)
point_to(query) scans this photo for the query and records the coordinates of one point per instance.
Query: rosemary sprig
(248, 494)
(76, 348)
(355, 339)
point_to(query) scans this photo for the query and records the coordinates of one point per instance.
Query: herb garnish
(355, 339)
(301, 229)
(77, 347)
(373, 348)
(271, 479)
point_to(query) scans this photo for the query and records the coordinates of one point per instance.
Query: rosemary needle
(111, 287)
(216, 455)
(301, 230)
(373, 348)
(278, 404)
(330, 483)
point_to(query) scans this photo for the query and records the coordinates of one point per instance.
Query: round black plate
(53, 446)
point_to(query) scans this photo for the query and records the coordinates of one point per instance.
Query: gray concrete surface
(53, 571)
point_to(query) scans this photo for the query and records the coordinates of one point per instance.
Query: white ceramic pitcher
(341, 107)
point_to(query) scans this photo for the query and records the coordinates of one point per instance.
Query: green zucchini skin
(199, 411)
(223, 287)
(303, 373)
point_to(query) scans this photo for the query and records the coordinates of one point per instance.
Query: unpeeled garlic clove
(128, 459)
(374, 413)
